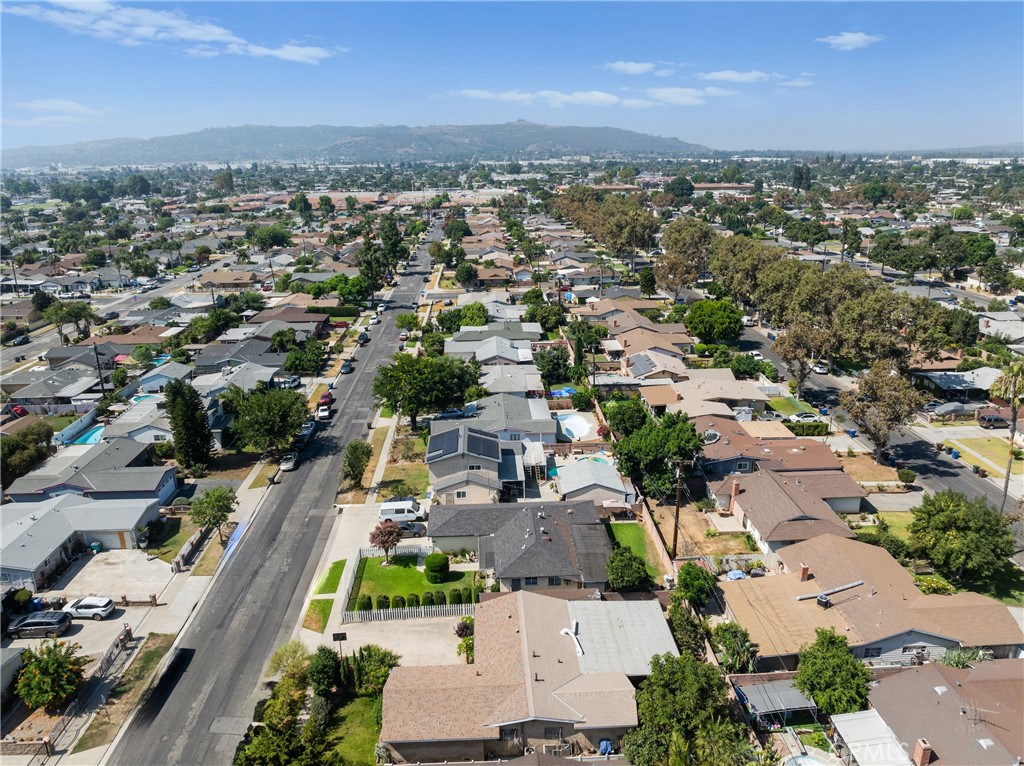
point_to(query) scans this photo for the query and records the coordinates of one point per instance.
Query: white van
(401, 509)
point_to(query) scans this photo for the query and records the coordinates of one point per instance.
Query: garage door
(109, 540)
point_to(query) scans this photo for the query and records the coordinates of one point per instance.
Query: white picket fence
(408, 613)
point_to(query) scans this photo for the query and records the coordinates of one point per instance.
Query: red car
(341, 325)
(327, 398)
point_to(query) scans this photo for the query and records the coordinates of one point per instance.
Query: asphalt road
(195, 715)
(935, 471)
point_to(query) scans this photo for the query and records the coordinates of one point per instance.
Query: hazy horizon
(867, 77)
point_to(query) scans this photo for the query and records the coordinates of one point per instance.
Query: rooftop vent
(824, 601)
(710, 436)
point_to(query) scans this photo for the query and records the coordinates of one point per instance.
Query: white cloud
(579, 98)
(514, 96)
(664, 72)
(638, 103)
(50, 111)
(731, 75)
(797, 82)
(677, 96)
(850, 41)
(631, 67)
(133, 26)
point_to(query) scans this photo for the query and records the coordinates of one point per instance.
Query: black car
(347, 367)
(112, 315)
(21, 340)
(40, 625)
(363, 339)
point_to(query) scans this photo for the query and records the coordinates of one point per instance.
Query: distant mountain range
(324, 143)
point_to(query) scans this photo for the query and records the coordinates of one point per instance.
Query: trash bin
(853, 433)
(771, 336)
(96, 546)
(892, 461)
(974, 468)
(955, 454)
(823, 411)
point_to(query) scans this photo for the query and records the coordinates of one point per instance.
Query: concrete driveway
(94, 636)
(426, 641)
(114, 573)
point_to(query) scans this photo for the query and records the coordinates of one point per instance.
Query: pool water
(802, 760)
(92, 436)
(146, 397)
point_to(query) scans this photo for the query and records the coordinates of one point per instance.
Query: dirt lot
(692, 541)
(864, 468)
(231, 465)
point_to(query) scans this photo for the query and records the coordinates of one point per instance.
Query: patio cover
(773, 697)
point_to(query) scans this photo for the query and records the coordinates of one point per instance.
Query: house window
(911, 648)
(554, 581)
(872, 652)
(515, 437)
(743, 466)
(159, 438)
(508, 735)
(475, 467)
(553, 732)
(461, 494)
(531, 580)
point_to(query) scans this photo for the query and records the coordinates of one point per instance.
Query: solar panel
(443, 444)
(485, 445)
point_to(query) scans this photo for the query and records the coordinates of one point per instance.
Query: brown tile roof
(229, 278)
(770, 454)
(289, 314)
(970, 717)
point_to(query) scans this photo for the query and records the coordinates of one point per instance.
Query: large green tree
(829, 674)
(213, 507)
(269, 418)
(651, 454)
(884, 401)
(1010, 388)
(626, 417)
(190, 427)
(411, 385)
(627, 571)
(715, 321)
(966, 539)
(50, 674)
(733, 647)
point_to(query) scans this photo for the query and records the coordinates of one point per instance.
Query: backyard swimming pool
(146, 397)
(574, 426)
(92, 436)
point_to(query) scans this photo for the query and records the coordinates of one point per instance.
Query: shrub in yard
(439, 598)
(22, 597)
(808, 429)
(383, 602)
(180, 501)
(323, 672)
(582, 400)
(468, 595)
(933, 583)
(164, 450)
(365, 603)
(398, 602)
(455, 597)
(465, 627)
(710, 532)
(412, 599)
(750, 542)
(428, 599)
(435, 567)
(495, 587)
(906, 476)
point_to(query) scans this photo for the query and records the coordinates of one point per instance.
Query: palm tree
(1010, 387)
(718, 743)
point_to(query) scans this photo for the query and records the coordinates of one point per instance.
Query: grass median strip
(318, 614)
(330, 582)
(126, 694)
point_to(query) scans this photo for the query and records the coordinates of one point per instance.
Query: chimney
(734, 492)
(959, 353)
(805, 572)
(922, 752)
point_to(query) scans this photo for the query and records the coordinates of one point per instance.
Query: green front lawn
(400, 578)
(632, 535)
(788, 405)
(171, 535)
(899, 522)
(352, 731)
(415, 476)
(1007, 585)
(59, 422)
(331, 580)
(318, 613)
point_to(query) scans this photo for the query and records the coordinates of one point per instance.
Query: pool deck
(591, 421)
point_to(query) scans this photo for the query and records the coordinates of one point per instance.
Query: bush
(365, 603)
(906, 476)
(710, 533)
(455, 597)
(439, 598)
(323, 672)
(933, 583)
(345, 312)
(180, 501)
(468, 595)
(164, 450)
(495, 587)
(435, 567)
(413, 599)
(398, 602)
(465, 627)
(383, 602)
(582, 400)
(751, 544)
(428, 599)
(22, 597)
(808, 429)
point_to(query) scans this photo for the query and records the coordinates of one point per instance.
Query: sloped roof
(586, 473)
(463, 439)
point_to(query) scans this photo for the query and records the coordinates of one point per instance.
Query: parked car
(771, 415)
(21, 340)
(323, 412)
(403, 336)
(931, 406)
(447, 301)
(757, 355)
(363, 338)
(820, 368)
(91, 607)
(412, 529)
(804, 417)
(308, 428)
(341, 324)
(290, 461)
(374, 319)
(993, 421)
(748, 321)
(39, 625)
(453, 414)
(327, 397)
(347, 367)
(426, 279)
(112, 315)
(292, 382)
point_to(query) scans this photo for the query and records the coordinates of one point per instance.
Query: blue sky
(849, 76)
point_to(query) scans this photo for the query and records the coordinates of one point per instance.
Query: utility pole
(679, 502)
(99, 369)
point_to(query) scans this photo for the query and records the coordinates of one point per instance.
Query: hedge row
(808, 429)
(465, 595)
(335, 311)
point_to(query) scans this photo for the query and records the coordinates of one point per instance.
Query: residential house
(951, 716)
(528, 546)
(510, 418)
(248, 376)
(509, 330)
(470, 465)
(23, 312)
(596, 481)
(651, 364)
(145, 421)
(970, 385)
(549, 675)
(871, 599)
(61, 285)
(84, 356)
(729, 449)
(214, 357)
(293, 315)
(639, 340)
(154, 381)
(229, 280)
(743, 397)
(491, 350)
(40, 537)
(492, 277)
(516, 380)
(115, 469)
(51, 386)
(1008, 325)
(780, 509)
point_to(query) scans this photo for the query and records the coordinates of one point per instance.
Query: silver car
(91, 607)
(290, 461)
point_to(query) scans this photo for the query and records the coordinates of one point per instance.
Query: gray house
(529, 545)
(464, 465)
(511, 418)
